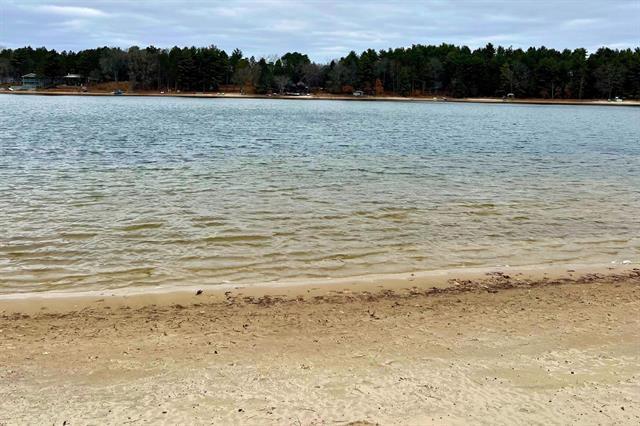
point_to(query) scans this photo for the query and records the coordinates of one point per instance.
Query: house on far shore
(34, 81)
(73, 80)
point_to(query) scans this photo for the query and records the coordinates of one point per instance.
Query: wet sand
(498, 347)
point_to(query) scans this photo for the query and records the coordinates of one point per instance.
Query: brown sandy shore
(338, 98)
(512, 347)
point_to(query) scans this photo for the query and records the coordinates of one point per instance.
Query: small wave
(141, 226)
(235, 238)
(78, 235)
(482, 213)
(209, 224)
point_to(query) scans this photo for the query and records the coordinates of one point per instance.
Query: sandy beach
(505, 346)
(332, 97)
(319, 213)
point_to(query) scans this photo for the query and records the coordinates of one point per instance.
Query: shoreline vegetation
(327, 96)
(510, 344)
(444, 70)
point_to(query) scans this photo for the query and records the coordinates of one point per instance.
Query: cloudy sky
(325, 29)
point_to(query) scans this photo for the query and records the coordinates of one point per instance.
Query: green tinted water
(115, 192)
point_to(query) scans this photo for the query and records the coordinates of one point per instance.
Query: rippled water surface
(114, 192)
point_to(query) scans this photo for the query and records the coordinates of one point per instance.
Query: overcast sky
(323, 29)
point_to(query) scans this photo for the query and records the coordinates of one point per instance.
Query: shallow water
(106, 192)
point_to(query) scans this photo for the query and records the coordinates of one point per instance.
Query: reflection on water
(113, 192)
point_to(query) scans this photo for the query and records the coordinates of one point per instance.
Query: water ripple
(215, 191)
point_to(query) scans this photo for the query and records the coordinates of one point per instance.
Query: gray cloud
(323, 29)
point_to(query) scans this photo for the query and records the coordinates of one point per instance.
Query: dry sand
(503, 348)
(328, 96)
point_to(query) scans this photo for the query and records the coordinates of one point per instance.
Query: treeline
(418, 70)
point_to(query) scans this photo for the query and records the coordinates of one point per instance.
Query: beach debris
(373, 315)
(199, 292)
(626, 262)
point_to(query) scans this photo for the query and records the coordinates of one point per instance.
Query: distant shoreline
(529, 101)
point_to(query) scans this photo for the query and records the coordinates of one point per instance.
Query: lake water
(108, 192)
